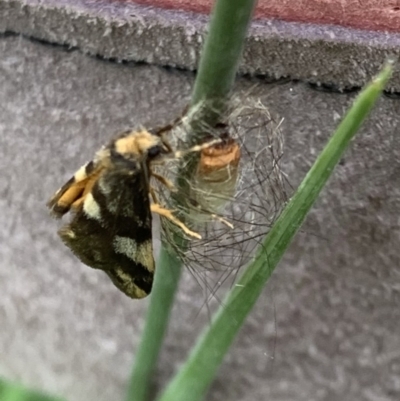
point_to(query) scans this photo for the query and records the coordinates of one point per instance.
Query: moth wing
(74, 191)
(112, 231)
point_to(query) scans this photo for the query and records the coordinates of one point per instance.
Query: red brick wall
(377, 15)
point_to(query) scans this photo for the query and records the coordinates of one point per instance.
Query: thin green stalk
(221, 55)
(14, 392)
(163, 293)
(218, 65)
(197, 373)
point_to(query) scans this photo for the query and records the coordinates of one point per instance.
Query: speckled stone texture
(326, 327)
(341, 57)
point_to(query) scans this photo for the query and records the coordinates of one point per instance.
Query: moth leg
(73, 192)
(165, 181)
(166, 144)
(153, 194)
(77, 203)
(68, 198)
(86, 190)
(160, 130)
(197, 148)
(222, 220)
(213, 215)
(156, 208)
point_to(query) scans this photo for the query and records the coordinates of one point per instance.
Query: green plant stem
(196, 374)
(14, 392)
(163, 293)
(221, 55)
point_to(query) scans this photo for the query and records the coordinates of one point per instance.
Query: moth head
(137, 147)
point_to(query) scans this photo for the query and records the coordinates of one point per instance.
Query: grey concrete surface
(123, 30)
(327, 327)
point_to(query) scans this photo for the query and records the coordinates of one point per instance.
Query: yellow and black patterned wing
(73, 192)
(111, 221)
(111, 230)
